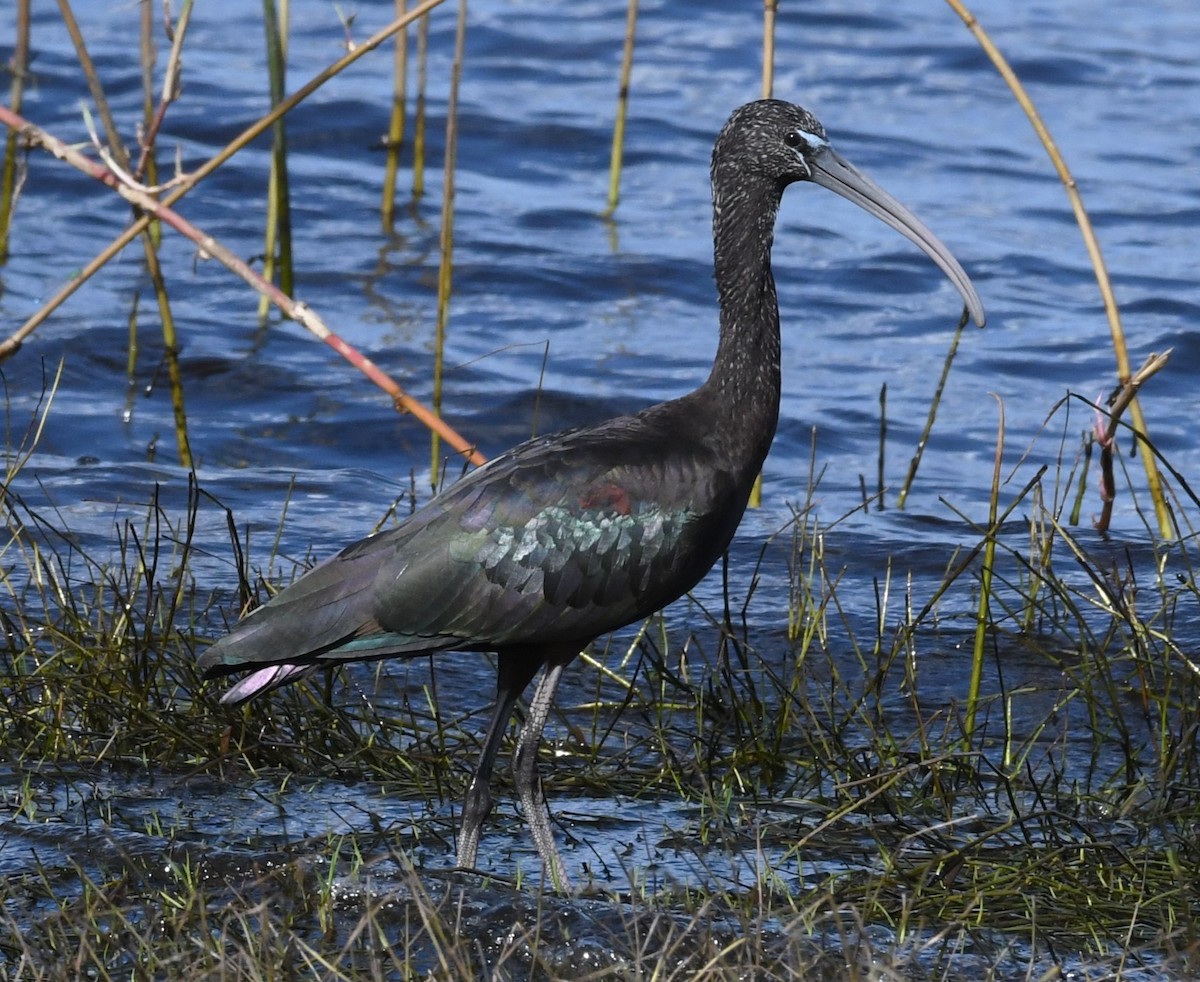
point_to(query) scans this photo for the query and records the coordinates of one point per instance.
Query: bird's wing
(561, 544)
(561, 539)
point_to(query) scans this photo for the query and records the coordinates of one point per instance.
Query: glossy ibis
(570, 536)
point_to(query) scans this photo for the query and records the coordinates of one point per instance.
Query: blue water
(559, 317)
(622, 315)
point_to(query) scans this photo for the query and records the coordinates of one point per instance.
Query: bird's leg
(525, 774)
(512, 676)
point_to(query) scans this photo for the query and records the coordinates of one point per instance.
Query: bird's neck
(744, 384)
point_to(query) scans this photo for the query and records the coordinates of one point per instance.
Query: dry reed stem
(395, 134)
(770, 7)
(1106, 434)
(1129, 389)
(770, 10)
(9, 181)
(170, 86)
(418, 164)
(446, 233)
(88, 67)
(1153, 480)
(277, 238)
(211, 247)
(618, 140)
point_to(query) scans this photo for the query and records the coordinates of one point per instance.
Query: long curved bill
(832, 171)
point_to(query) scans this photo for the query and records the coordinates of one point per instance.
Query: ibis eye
(793, 138)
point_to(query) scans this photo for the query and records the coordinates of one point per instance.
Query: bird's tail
(264, 680)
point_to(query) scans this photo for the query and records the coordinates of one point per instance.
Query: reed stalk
(770, 10)
(395, 134)
(1082, 219)
(768, 85)
(880, 469)
(147, 168)
(446, 237)
(120, 154)
(1089, 443)
(983, 617)
(418, 186)
(277, 248)
(99, 100)
(170, 353)
(131, 357)
(9, 177)
(170, 89)
(915, 462)
(616, 157)
(19, 70)
(1106, 435)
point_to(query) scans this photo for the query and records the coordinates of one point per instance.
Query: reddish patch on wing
(369, 626)
(607, 497)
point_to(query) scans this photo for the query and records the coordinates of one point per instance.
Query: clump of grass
(295, 922)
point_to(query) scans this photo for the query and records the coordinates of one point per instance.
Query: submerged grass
(841, 819)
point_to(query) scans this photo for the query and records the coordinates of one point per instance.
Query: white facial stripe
(814, 142)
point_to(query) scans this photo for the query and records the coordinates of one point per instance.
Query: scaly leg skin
(512, 677)
(525, 775)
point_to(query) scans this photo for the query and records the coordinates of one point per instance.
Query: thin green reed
(446, 239)
(395, 135)
(278, 245)
(147, 169)
(768, 86)
(932, 415)
(117, 157)
(418, 188)
(19, 67)
(618, 141)
(983, 614)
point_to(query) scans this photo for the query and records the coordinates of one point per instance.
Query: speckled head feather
(770, 138)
